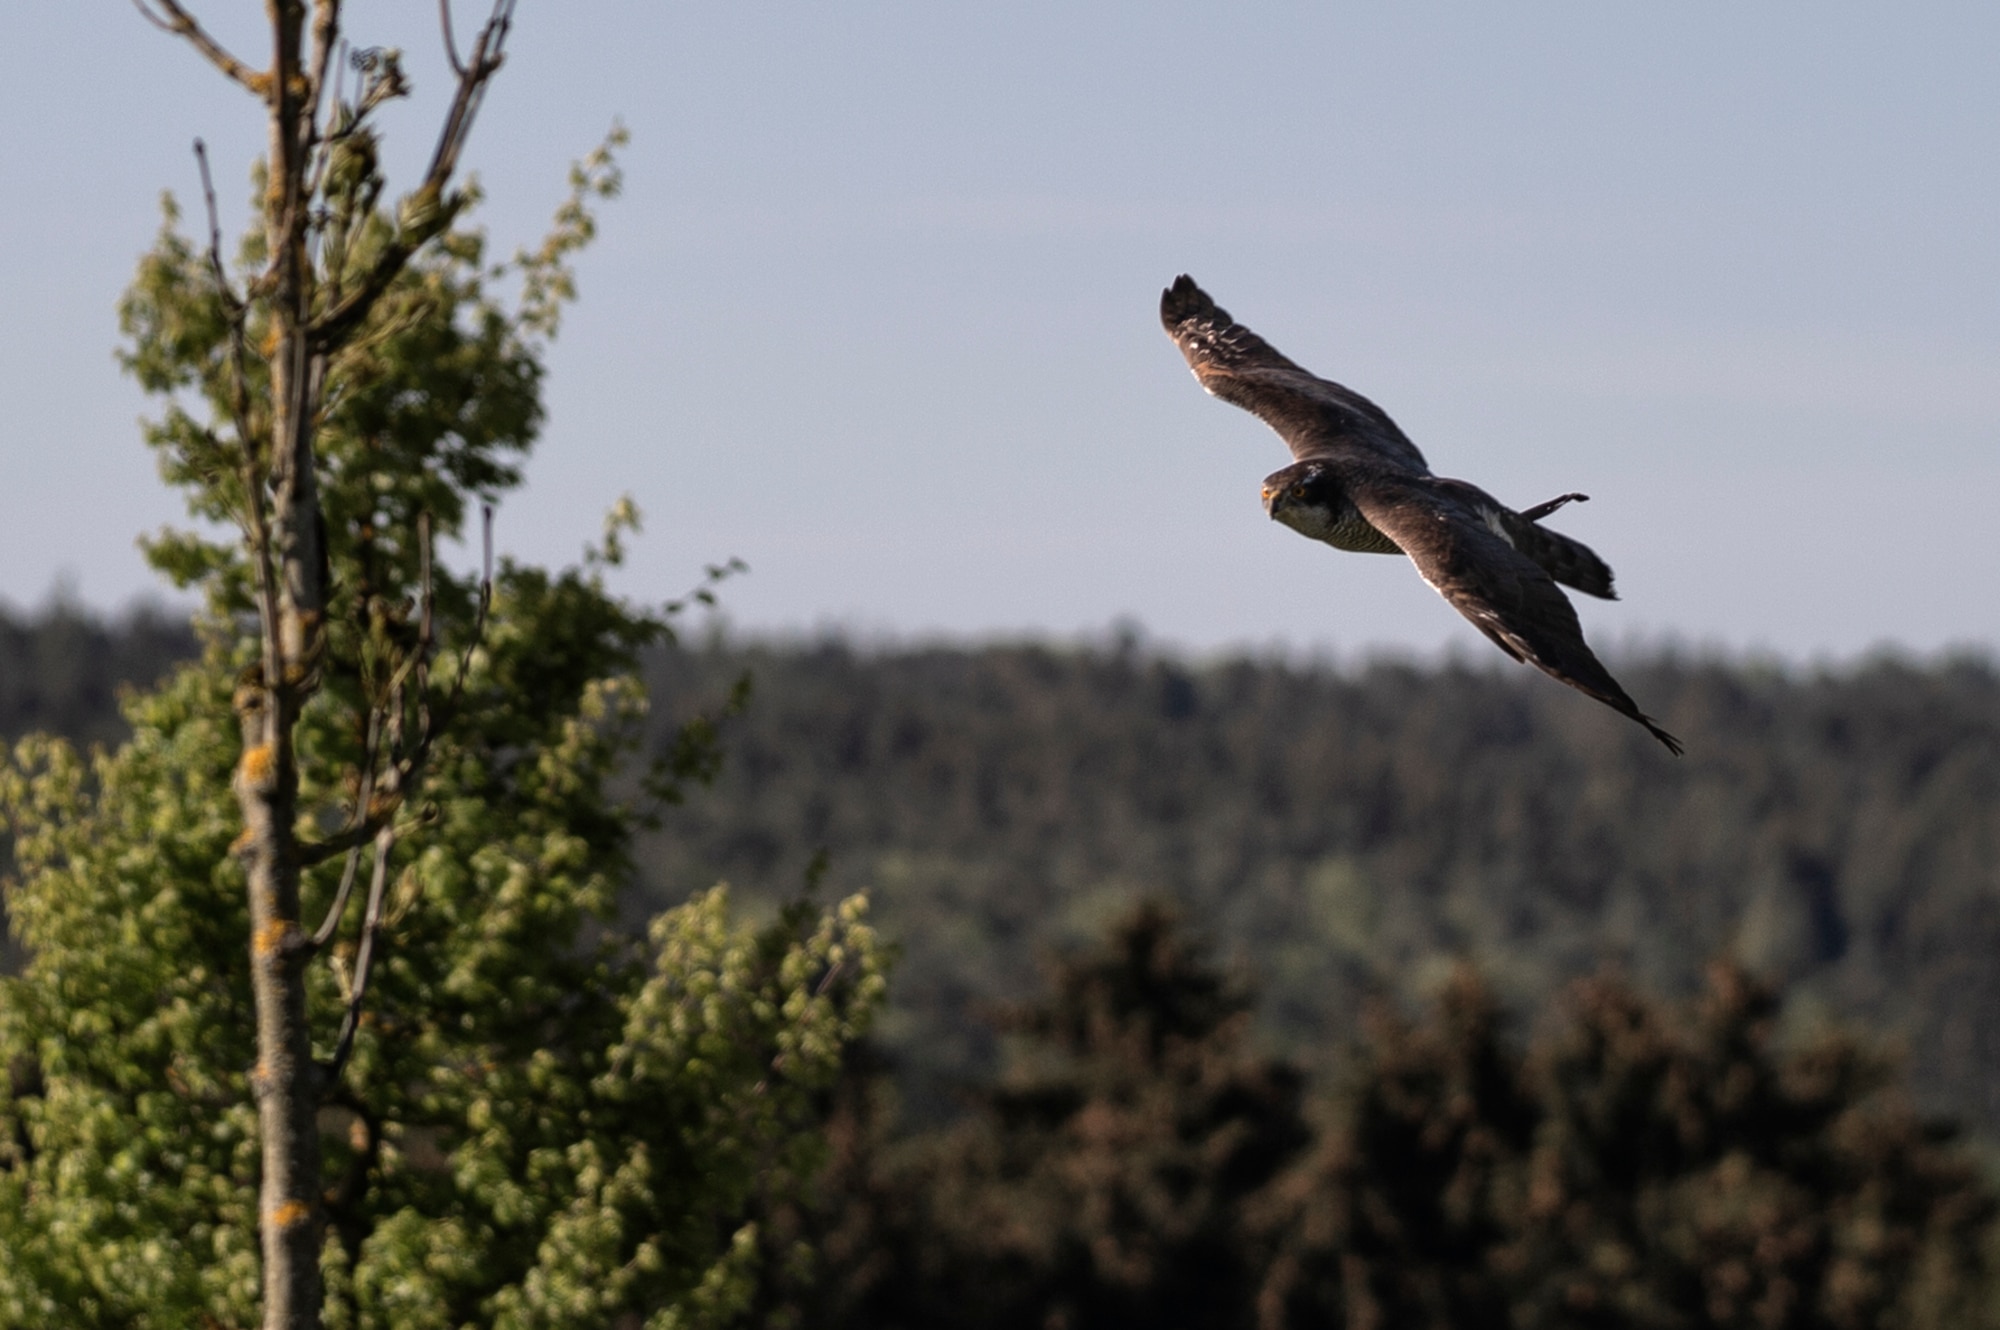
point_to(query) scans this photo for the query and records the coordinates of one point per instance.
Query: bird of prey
(1358, 483)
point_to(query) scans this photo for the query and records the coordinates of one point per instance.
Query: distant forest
(61, 667)
(1338, 834)
(1341, 834)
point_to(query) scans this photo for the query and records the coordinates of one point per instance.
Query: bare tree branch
(364, 957)
(344, 1198)
(385, 835)
(325, 37)
(426, 622)
(431, 723)
(256, 526)
(485, 62)
(364, 797)
(450, 46)
(426, 210)
(331, 924)
(407, 766)
(182, 24)
(230, 300)
(339, 73)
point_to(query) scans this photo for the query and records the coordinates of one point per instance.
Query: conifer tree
(1102, 1183)
(1393, 1219)
(321, 1021)
(1136, 1121)
(1691, 1171)
(1641, 1167)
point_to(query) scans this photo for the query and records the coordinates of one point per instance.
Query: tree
(1134, 1126)
(1394, 1218)
(1102, 1183)
(1690, 1171)
(1640, 1167)
(440, 1091)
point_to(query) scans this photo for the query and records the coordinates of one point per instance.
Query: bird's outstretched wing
(1316, 417)
(1505, 594)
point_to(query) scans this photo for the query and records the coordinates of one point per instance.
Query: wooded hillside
(1341, 833)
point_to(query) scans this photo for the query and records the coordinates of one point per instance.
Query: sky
(877, 312)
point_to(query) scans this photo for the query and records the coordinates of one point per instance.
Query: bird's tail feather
(1570, 562)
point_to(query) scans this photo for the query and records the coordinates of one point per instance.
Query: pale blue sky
(877, 312)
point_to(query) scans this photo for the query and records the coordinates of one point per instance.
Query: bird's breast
(1344, 528)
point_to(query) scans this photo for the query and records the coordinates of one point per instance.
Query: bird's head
(1304, 496)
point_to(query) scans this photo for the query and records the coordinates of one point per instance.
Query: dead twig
(182, 24)
(364, 797)
(325, 37)
(450, 45)
(364, 956)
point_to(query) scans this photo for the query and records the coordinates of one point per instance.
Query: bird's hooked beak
(1274, 499)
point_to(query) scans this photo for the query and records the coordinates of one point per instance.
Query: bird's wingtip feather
(1185, 300)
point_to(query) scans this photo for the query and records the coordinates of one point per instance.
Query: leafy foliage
(543, 1122)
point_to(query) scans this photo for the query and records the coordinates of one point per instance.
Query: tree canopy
(520, 1115)
(1137, 1162)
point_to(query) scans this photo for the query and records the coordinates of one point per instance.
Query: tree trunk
(286, 1080)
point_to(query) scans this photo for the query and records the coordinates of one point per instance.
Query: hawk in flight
(1358, 483)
